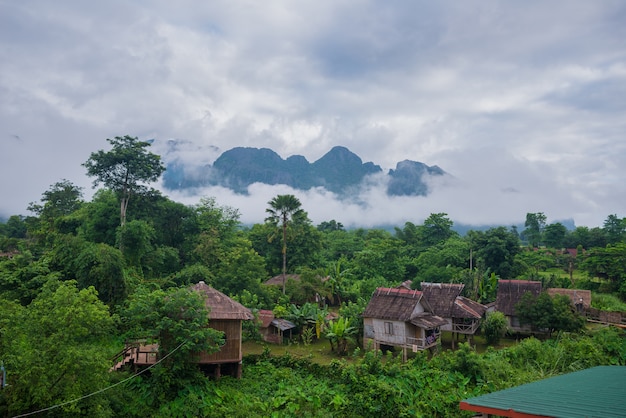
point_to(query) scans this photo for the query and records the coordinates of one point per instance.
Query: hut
(462, 315)
(509, 294)
(399, 317)
(225, 315)
(278, 280)
(272, 329)
(579, 298)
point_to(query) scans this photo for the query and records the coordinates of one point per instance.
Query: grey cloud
(504, 95)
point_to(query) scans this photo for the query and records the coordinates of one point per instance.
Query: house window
(389, 328)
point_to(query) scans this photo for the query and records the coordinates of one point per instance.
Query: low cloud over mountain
(339, 171)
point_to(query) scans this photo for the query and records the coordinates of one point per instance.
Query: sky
(523, 103)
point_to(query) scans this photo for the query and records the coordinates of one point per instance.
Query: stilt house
(462, 315)
(225, 315)
(398, 317)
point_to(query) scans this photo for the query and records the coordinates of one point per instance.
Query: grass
(318, 351)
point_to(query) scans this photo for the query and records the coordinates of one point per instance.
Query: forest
(79, 278)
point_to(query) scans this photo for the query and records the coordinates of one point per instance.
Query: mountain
(339, 171)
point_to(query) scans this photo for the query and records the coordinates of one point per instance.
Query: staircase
(128, 355)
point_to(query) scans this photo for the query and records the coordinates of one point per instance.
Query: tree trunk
(284, 252)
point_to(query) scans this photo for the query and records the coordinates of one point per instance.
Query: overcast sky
(523, 102)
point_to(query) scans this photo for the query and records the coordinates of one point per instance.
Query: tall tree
(615, 229)
(495, 249)
(554, 235)
(535, 224)
(283, 209)
(125, 169)
(436, 228)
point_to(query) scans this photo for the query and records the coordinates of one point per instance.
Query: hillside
(339, 171)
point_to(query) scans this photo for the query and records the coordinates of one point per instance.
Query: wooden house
(462, 315)
(399, 317)
(225, 315)
(272, 329)
(509, 294)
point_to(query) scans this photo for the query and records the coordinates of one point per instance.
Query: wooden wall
(231, 351)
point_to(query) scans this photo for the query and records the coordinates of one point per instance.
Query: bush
(494, 327)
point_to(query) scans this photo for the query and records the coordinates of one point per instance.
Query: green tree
(241, 268)
(615, 229)
(135, 240)
(282, 211)
(494, 327)
(62, 198)
(58, 353)
(332, 225)
(340, 333)
(535, 260)
(179, 321)
(337, 277)
(608, 263)
(554, 235)
(495, 249)
(545, 313)
(535, 224)
(437, 228)
(124, 169)
(102, 266)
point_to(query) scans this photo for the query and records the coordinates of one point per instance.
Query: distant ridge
(339, 171)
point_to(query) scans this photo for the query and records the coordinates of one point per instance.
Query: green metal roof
(596, 392)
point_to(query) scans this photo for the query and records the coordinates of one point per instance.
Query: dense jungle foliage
(78, 278)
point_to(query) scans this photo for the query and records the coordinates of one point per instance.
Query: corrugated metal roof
(596, 392)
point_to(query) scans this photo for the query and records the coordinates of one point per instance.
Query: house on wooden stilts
(225, 315)
(462, 315)
(400, 317)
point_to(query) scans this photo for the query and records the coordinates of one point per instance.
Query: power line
(101, 390)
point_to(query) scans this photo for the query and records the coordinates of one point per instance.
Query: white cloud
(505, 96)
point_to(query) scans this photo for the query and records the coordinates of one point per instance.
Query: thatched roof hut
(220, 305)
(399, 304)
(511, 291)
(278, 280)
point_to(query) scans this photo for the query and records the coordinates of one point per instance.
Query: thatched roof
(467, 308)
(395, 304)
(441, 297)
(278, 280)
(511, 291)
(446, 301)
(575, 295)
(398, 304)
(220, 305)
(428, 321)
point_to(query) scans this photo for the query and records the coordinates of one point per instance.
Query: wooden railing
(606, 317)
(465, 328)
(422, 343)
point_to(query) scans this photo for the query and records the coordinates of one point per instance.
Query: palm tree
(282, 210)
